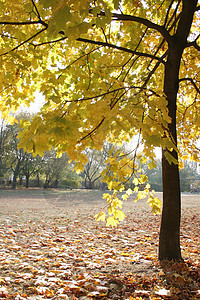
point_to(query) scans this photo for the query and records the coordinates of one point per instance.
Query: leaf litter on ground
(53, 250)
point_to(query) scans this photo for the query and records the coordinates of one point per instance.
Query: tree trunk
(46, 184)
(38, 179)
(14, 182)
(90, 184)
(169, 243)
(169, 246)
(15, 174)
(20, 180)
(27, 181)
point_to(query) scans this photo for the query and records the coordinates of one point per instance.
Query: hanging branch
(142, 54)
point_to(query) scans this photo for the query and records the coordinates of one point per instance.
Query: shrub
(70, 184)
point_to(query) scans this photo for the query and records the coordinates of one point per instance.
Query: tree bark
(15, 174)
(27, 181)
(38, 179)
(14, 182)
(169, 240)
(169, 246)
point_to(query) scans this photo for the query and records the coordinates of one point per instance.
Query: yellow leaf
(147, 186)
(11, 120)
(135, 181)
(100, 216)
(111, 221)
(119, 215)
(155, 204)
(129, 192)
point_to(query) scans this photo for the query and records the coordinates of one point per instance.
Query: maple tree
(109, 70)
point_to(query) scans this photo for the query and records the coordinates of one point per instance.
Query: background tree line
(19, 168)
(189, 177)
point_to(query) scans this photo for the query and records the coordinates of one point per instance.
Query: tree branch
(192, 82)
(98, 96)
(146, 22)
(80, 57)
(24, 42)
(101, 122)
(176, 18)
(50, 42)
(92, 131)
(113, 91)
(167, 15)
(135, 59)
(37, 12)
(24, 23)
(40, 21)
(104, 44)
(153, 71)
(194, 44)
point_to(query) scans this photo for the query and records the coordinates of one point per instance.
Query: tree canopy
(109, 70)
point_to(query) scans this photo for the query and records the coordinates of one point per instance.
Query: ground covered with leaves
(52, 248)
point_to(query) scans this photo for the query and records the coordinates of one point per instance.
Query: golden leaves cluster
(94, 90)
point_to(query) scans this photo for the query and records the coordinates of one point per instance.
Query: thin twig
(192, 82)
(142, 54)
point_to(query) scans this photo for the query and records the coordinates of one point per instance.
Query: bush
(34, 183)
(70, 184)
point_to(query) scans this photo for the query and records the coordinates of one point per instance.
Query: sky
(36, 105)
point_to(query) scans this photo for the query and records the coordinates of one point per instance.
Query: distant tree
(16, 162)
(3, 150)
(31, 166)
(189, 177)
(94, 167)
(54, 168)
(16, 156)
(96, 164)
(20, 164)
(154, 175)
(70, 178)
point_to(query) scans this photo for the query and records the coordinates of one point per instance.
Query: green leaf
(47, 3)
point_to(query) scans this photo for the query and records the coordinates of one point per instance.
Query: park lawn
(52, 248)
